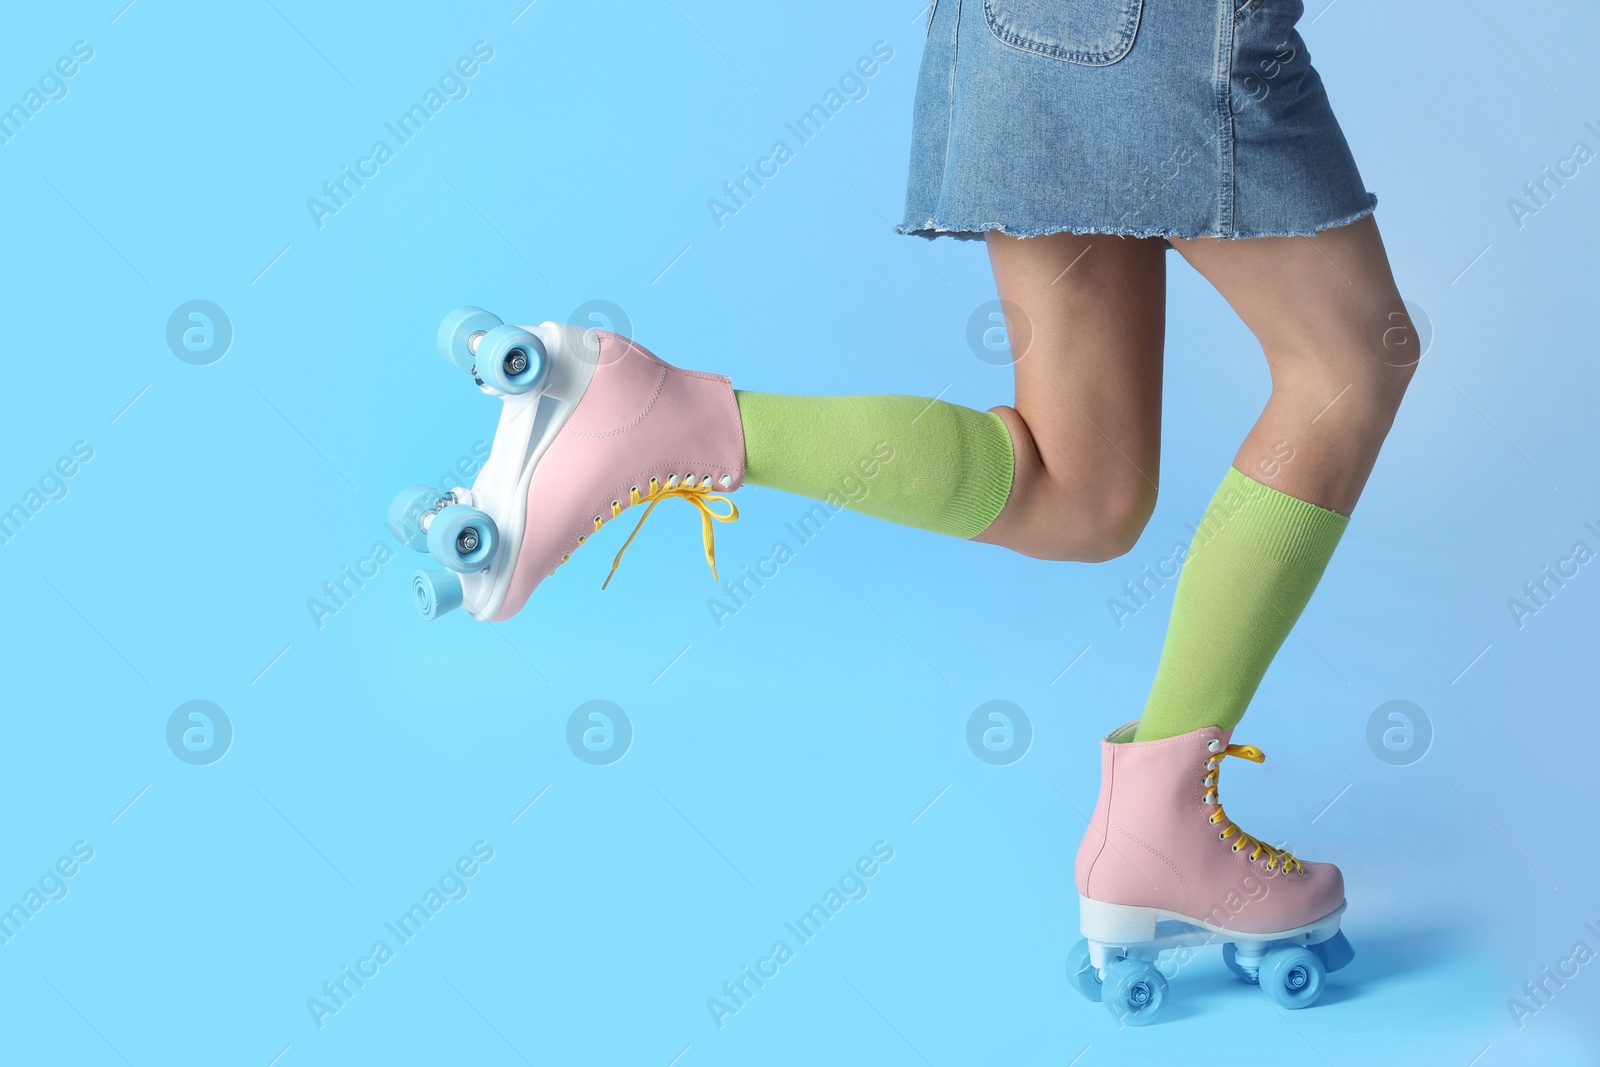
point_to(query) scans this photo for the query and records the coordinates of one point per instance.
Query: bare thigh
(1338, 344)
(1086, 314)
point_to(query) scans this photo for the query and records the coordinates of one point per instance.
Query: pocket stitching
(1133, 14)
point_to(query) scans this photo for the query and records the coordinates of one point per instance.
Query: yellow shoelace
(1275, 856)
(700, 495)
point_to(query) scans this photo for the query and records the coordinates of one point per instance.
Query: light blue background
(768, 755)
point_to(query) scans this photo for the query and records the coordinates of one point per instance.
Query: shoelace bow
(1275, 856)
(700, 495)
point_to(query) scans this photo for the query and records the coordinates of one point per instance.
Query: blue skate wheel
(457, 330)
(405, 514)
(1134, 992)
(435, 593)
(463, 539)
(1334, 952)
(1230, 956)
(511, 360)
(1081, 973)
(1292, 977)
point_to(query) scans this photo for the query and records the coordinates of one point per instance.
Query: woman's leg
(1341, 352)
(1069, 472)
(1087, 418)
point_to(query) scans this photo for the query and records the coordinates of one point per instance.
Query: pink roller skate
(591, 424)
(1163, 871)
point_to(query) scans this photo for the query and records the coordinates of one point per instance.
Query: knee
(1367, 361)
(1075, 502)
(1098, 522)
(1117, 519)
(1356, 398)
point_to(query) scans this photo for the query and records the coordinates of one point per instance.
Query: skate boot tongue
(699, 495)
(1276, 857)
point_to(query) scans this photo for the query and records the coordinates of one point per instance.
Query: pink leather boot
(1163, 870)
(591, 425)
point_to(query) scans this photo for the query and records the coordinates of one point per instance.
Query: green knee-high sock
(1256, 557)
(908, 459)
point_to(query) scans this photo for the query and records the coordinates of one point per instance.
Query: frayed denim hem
(931, 229)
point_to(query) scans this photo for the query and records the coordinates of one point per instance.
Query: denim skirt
(1150, 118)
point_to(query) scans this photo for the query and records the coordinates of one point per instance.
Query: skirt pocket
(1095, 33)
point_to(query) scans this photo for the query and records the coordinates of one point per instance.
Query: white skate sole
(1117, 930)
(528, 424)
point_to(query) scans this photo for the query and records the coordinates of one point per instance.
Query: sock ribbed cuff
(1270, 523)
(981, 491)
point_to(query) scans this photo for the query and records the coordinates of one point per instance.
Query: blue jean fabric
(1152, 118)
